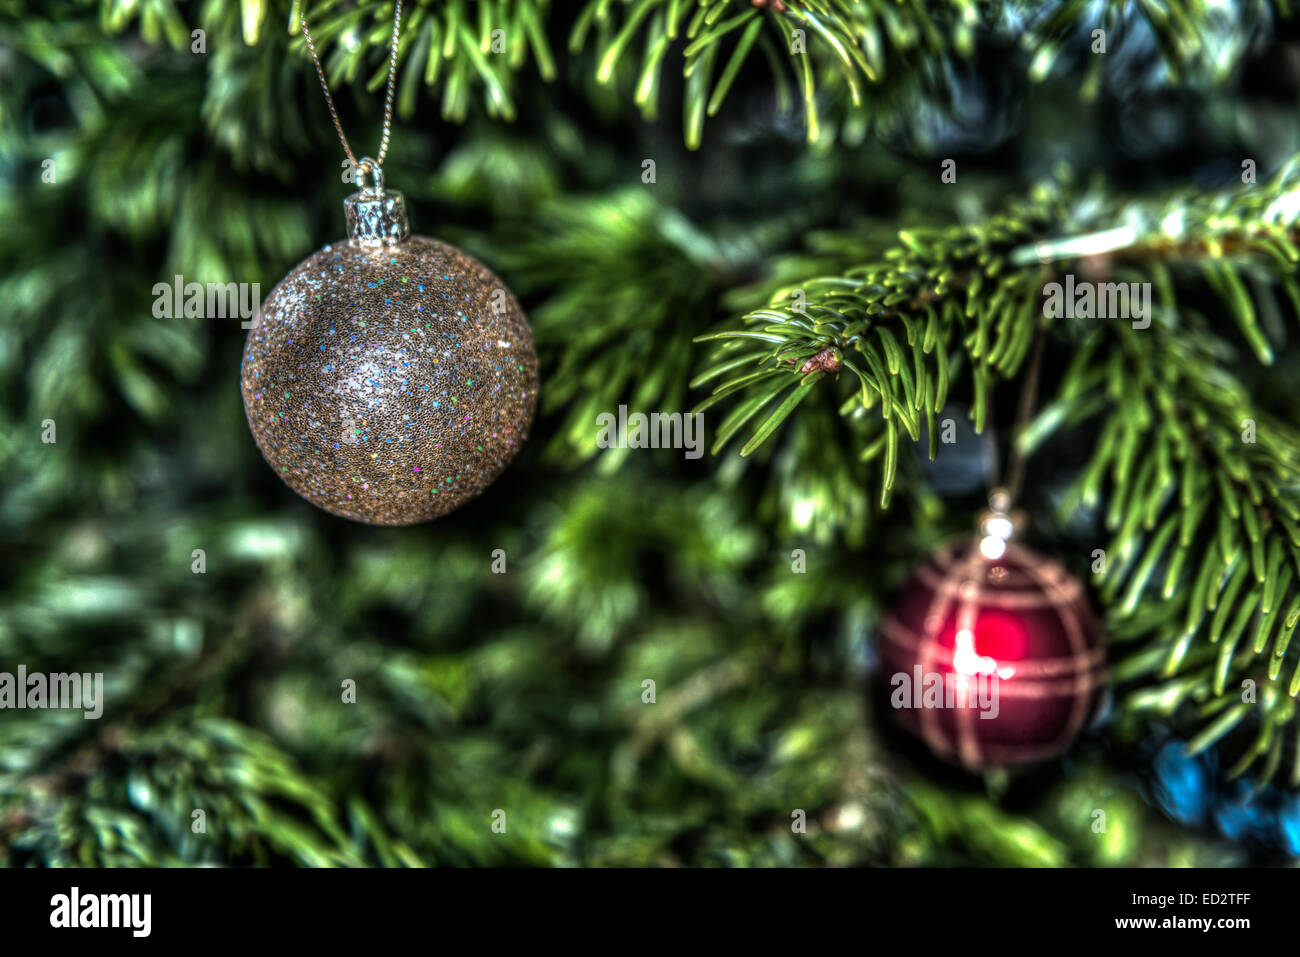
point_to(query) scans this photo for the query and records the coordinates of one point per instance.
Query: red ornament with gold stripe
(992, 654)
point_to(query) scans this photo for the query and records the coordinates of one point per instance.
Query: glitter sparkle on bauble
(389, 378)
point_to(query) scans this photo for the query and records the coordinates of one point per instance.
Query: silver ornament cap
(376, 217)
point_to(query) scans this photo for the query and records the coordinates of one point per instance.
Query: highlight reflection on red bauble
(1008, 650)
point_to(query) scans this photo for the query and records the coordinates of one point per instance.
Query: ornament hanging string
(999, 522)
(1015, 473)
(365, 164)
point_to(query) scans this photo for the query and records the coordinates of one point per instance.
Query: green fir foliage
(798, 271)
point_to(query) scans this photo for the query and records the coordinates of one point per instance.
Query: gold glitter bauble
(390, 378)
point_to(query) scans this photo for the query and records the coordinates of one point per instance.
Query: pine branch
(464, 44)
(1202, 492)
(254, 804)
(715, 40)
(850, 65)
(883, 329)
(886, 328)
(1199, 43)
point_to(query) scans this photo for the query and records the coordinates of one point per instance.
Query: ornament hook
(998, 524)
(368, 167)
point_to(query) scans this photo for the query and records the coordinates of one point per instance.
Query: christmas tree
(893, 255)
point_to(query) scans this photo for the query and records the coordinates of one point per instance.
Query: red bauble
(993, 662)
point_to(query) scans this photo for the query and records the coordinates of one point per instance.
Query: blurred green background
(522, 691)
